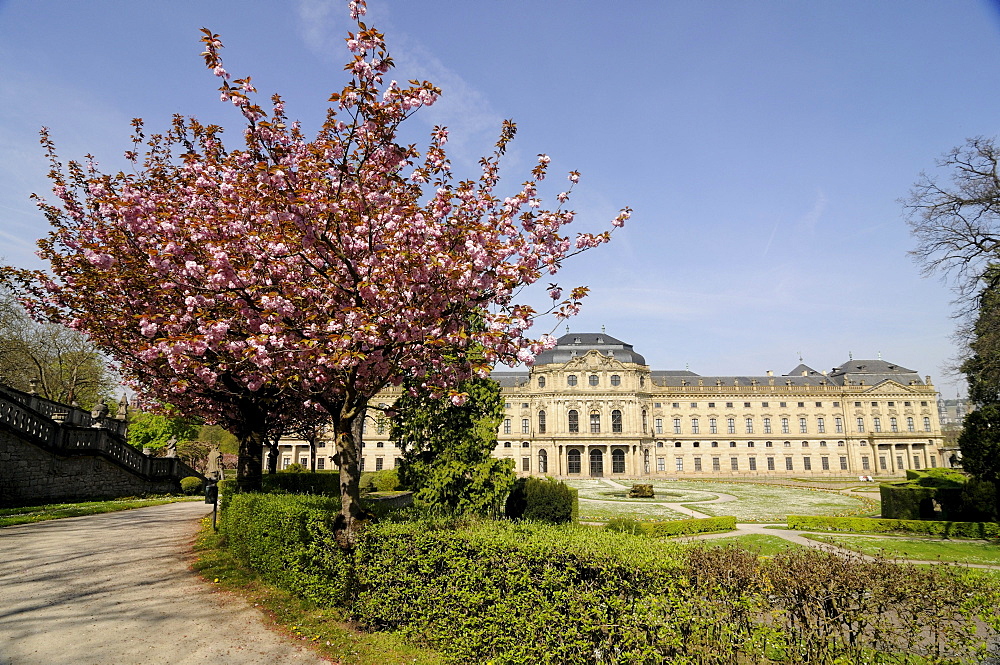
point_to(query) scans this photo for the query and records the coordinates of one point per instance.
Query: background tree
(234, 283)
(154, 430)
(57, 362)
(448, 449)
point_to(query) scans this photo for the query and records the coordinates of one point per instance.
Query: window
(541, 382)
(694, 426)
(525, 426)
(573, 461)
(927, 424)
(644, 421)
(753, 463)
(788, 464)
(882, 463)
(713, 425)
(596, 463)
(321, 444)
(836, 405)
(861, 424)
(711, 405)
(893, 426)
(822, 444)
(506, 444)
(787, 444)
(661, 463)
(729, 405)
(616, 421)
(746, 405)
(543, 462)
(824, 463)
(285, 461)
(782, 404)
(380, 444)
(694, 405)
(767, 425)
(768, 444)
(865, 464)
(764, 404)
(696, 444)
(378, 463)
(877, 424)
(506, 425)
(595, 422)
(734, 463)
(875, 404)
(749, 444)
(656, 405)
(396, 461)
(571, 380)
(594, 380)
(807, 463)
(715, 444)
(784, 425)
(616, 380)
(618, 461)
(909, 424)
(802, 405)
(749, 425)
(731, 425)
(819, 405)
(916, 461)
(679, 463)
(770, 464)
(838, 424)
(642, 381)
(805, 444)
(892, 404)
(525, 464)
(574, 423)
(933, 461)
(320, 463)
(697, 464)
(923, 404)
(843, 464)
(361, 464)
(677, 425)
(821, 425)
(716, 465)
(658, 424)
(857, 405)
(524, 405)
(803, 428)
(525, 444)
(541, 422)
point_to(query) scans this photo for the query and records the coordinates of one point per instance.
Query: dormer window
(577, 340)
(600, 340)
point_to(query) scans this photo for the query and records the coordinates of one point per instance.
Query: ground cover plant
(54, 511)
(919, 549)
(515, 592)
(759, 502)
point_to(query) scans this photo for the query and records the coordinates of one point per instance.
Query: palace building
(592, 407)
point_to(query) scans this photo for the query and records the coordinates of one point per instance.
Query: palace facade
(591, 407)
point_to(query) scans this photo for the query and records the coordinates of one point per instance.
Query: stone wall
(29, 474)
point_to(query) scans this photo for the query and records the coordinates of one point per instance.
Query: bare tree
(956, 220)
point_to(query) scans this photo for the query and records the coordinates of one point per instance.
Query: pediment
(594, 360)
(890, 387)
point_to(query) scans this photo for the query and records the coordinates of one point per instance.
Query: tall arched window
(541, 422)
(541, 382)
(574, 421)
(596, 463)
(618, 461)
(573, 461)
(543, 462)
(645, 460)
(644, 424)
(595, 422)
(616, 421)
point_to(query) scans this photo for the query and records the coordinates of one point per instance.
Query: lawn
(920, 549)
(760, 544)
(54, 511)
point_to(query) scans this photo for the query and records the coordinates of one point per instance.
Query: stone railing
(69, 430)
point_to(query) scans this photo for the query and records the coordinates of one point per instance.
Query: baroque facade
(592, 407)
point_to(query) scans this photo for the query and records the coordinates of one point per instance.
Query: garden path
(118, 588)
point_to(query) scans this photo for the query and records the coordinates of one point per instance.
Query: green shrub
(191, 485)
(294, 467)
(289, 540)
(386, 480)
(686, 527)
(985, 530)
(227, 488)
(641, 491)
(327, 484)
(979, 501)
(367, 482)
(542, 500)
(624, 525)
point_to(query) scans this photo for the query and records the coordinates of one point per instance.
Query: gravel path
(116, 589)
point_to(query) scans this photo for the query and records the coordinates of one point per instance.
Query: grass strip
(325, 629)
(54, 511)
(918, 549)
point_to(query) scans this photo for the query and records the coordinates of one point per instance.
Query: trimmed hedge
(325, 483)
(542, 500)
(527, 592)
(289, 540)
(985, 530)
(672, 528)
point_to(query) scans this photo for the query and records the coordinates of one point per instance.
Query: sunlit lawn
(921, 549)
(761, 544)
(52, 511)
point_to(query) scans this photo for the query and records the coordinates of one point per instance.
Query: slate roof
(571, 345)
(510, 379)
(873, 372)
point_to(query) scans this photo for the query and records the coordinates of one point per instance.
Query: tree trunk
(348, 441)
(272, 457)
(250, 466)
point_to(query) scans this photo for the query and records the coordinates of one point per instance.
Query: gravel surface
(116, 589)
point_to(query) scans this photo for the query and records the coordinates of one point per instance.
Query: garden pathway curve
(117, 588)
(720, 498)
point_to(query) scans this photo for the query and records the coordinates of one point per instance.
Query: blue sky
(763, 145)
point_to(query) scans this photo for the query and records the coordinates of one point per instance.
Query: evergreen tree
(447, 449)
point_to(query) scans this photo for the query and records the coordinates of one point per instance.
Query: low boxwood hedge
(986, 530)
(673, 527)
